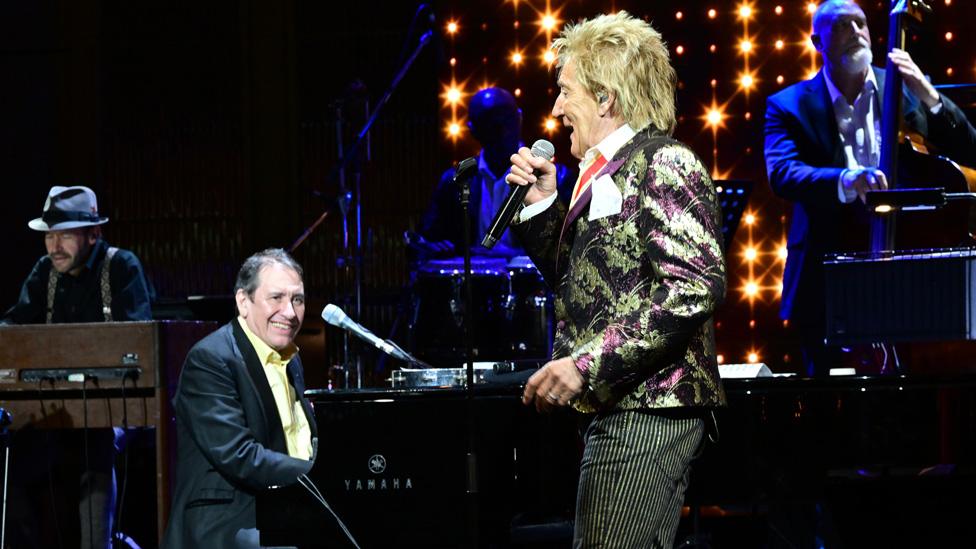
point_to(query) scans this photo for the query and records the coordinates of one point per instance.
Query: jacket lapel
(818, 108)
(276, 435)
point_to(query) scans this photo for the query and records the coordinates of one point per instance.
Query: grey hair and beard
(857, 61)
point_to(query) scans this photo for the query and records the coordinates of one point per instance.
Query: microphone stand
(362, 139)
(463, 178)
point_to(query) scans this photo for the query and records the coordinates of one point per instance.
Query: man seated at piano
(242, 421)
(822, 150)
(81, 279)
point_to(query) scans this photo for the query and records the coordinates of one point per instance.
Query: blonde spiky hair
(623, 55)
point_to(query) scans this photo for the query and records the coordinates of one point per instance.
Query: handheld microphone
(336, 317)
(513, 204)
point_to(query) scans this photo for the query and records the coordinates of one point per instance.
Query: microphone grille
(543, 149)
(333, 315)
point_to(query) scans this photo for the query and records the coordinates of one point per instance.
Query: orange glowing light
(753, 357)
(720, 359)
(517, 58)
(518, 92)
(948, 36)
(750, 254)
(453, 95)
(779, 10)
(745, 11)
(811, 7)
(949, 71)
(811, 74)
(714, 117)
(780, 44)
(751, 289)
(749, 219)
(745, 46)
(453, 61)
(549, 125)
(452, 27)
(549, 57)
(711, 48)
(779, 79)
(712, 13)
(454, 129)
(678, 15)
(747, 81)
(679, 50)
(548, 22)
(781, 253)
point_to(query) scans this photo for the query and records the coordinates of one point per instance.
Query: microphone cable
(307, 483)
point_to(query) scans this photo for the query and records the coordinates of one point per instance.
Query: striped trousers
(633, 478)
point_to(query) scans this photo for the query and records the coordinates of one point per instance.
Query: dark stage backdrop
(209, 130)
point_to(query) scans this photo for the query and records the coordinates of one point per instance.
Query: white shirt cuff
(533, 210)
(845, 195)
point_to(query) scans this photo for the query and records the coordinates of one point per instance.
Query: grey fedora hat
(68, 208)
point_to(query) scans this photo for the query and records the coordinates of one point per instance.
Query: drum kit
(511, 315)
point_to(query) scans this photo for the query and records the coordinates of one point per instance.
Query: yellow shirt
(298, 434)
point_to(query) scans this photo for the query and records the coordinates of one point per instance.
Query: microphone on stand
(513, 204)
(336, 317)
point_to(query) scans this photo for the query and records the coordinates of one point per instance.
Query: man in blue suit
(242, 422)
(822, 149)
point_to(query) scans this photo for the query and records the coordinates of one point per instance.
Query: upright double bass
(908, 161)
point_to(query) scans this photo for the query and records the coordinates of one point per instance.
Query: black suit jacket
(230, 442)
(804, 159)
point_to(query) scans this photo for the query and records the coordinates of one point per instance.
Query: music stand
(733, 195)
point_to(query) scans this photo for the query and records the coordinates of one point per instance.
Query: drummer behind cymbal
(495, 121)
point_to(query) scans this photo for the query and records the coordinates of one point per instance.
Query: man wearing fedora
(81, 279)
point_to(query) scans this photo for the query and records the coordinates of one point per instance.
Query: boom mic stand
(345, 160)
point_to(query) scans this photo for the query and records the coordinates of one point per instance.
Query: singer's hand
(556, 384)
(523, 166)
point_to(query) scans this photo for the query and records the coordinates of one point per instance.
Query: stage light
(948, 36)
(949, 71)
(549, 125)
(714, 117)
(749, 219)
(782, 252)
(549, 57)
(712, 13)
(452, 27)
(753, 357)
(745, 46)
(747, 81)
(779, 10)
(720, 358)
(750, 254)
(779, 79)
(548, 22)
(712, 48)
(517, 58)
(811, 7)
(679, 50)
(454, 130)
(751, 289)
(745, 12)
(678, 15)
(453, 95)
(453, 61)
(518, 92)
(780, 44)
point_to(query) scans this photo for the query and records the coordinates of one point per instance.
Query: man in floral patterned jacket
(637, 264)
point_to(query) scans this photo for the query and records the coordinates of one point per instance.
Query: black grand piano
(890, 458)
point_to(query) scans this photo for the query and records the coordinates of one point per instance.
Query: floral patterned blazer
(635, 291)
